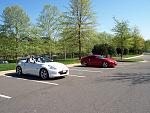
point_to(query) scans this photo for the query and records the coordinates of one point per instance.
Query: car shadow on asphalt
(31, 77)
(134, 78)
(92, 67)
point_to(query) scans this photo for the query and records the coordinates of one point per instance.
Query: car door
(30, 67)
(91, 61)
(94, 61)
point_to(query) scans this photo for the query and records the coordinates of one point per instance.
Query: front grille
(63, 72)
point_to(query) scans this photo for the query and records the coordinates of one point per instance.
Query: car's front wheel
(19, 70)
(105, 64)
(44, 74)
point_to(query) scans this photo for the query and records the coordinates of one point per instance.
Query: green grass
(128, 60)
(68, 61)
(10, 66)
(127, 56)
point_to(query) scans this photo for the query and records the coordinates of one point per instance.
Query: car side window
(100, 56)
(28, 60)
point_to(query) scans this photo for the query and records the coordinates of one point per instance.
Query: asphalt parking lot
(124, 89)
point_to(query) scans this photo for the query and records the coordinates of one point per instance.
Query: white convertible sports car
(42, 67)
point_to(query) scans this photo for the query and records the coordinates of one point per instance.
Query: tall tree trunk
(79, 32)
(122, 50)
(50, 55)
(17, 36)
(65, 53)
(79, 37)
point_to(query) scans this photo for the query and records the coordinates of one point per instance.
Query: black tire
(83, 63)
(19, 70)
(105, 64)
(44, 74)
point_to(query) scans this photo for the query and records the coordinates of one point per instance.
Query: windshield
(43, 59)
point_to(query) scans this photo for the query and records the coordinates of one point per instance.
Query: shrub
(103, 49)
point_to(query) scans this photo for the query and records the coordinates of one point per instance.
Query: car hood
(57, 65)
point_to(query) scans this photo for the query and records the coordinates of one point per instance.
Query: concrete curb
(7, 72)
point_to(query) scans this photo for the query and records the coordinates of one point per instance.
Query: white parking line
(46, 82)
(86, 70)
(43, 82)
(77, 76)
(4, 96)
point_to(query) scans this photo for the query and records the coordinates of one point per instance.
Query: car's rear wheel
(83, 63)
(105, 64)
(44, 74)
(19, 70)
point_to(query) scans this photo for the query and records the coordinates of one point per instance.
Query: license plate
(64, 71)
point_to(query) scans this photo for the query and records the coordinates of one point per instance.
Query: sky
(136, 12)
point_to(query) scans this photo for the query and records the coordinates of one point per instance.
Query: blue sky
(135, 11)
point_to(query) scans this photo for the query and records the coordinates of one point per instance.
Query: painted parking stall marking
(86, 70)
(77, 76)
(43, 82)
(46, 82)
(4, 96)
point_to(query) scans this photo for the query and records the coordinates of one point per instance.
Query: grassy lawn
(10, 66)
(68, 61)
(128, 60)
(127, 56)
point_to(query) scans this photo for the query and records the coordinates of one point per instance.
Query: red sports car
(98, 60)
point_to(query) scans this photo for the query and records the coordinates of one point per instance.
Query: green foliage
(147, 45)
(70, 33)
(104, 38)
(15, 19)
(7, 46)
(15, 22)
(103, 49)
(78, 23)
(122, 35)
(137, 41)
(48, 23)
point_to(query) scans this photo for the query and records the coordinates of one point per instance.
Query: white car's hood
(57, 65)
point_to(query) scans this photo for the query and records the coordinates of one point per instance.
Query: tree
(16, 21)
(137, 41)
(103, 49)
(48, 22)
(80, 22)
(66, 44)
(147, 45)
(122, 35)
(104, 38)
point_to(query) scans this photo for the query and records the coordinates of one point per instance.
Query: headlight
(51, 67)
(111, 61)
